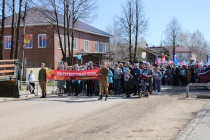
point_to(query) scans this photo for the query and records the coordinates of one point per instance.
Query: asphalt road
(86, 118)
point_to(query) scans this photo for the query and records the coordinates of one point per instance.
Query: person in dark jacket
(136, 75)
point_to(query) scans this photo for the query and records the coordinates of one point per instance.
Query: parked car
(204, 78)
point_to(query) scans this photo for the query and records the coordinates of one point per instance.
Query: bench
(9, 78)
(195, 85)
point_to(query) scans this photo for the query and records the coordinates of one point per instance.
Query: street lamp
(162, 35)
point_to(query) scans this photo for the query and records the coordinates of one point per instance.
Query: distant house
(182, 53)
(90, 42)
(122, 52)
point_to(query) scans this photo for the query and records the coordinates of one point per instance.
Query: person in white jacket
(31, 81)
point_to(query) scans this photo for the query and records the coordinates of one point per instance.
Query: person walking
(31, 80)
(42, 80)
(104, 71)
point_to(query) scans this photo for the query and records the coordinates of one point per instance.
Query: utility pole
(24, 31)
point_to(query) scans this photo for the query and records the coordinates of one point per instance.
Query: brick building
(91, 43)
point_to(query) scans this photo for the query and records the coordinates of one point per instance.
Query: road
(84, 118)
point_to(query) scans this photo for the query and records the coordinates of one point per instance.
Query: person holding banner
(90, 84)
(61, 84)
(104, 81)
(76, 83)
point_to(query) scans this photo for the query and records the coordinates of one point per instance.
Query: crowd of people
(123, 78)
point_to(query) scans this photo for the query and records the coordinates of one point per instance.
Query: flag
(170, 62)
(79, 57)
(156, 60)
(176, 59)
(208, 60)
(163, 58)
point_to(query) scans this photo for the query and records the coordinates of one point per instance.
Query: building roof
(179, 49)
(159, 50)
(39, 16)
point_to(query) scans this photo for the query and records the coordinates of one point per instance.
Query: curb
(183, 135)
(23, 97)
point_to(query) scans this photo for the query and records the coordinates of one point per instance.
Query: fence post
(187, 90)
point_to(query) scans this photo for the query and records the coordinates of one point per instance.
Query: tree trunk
(64, 16)
(13, 29)
(18, 30)
(130, 32)
(2, 30)
(58, 31)
(137, 31)
(72, 46)
(174, 45)
(72, 34)
(68, 34)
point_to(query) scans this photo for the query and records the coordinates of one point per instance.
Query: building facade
(90, 44)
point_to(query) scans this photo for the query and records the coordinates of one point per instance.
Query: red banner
(73, 74)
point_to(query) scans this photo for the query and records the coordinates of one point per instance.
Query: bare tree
(72, 11)
(141, 24)
(126, 23)
(81, 10)
(198, 44)
(116, 42)
(173, 31)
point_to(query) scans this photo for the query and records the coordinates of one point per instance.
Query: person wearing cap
(31, 80)
(104, 71)
(43, 80)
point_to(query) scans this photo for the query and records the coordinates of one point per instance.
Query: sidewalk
(198, 128)
(24, 94)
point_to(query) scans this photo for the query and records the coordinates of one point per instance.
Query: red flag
(163, 58)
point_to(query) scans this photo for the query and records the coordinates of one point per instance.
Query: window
(86, 45)
(184, 55)
(30, 45)
(105, 47)
(101, 47)
(7, 42)
(67, 47)
(62, 40)
(97, 47)
(75, 44)
(42, 41)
